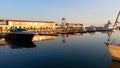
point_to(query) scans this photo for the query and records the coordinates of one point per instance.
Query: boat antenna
(116, 21)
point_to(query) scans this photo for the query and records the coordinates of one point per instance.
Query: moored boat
(107, 27)
(91, 29)
(19, 34)
(114, 50)
(82, 30)
(114, 46)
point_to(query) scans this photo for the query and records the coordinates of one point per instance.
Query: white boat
(107, 27)
(19, 34)
(81, 30)
(91, 29)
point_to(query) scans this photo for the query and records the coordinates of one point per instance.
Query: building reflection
(37, 38)
(2, 42)
(64, 36)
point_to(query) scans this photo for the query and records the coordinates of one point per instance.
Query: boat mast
(116, 21)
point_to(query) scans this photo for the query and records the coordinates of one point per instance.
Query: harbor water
(87, 50)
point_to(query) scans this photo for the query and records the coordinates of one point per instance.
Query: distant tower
(63, 22)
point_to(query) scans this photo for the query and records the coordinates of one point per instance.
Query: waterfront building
(29, 24)
(73, 25)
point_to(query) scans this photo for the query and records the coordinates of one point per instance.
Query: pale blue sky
(92, 12)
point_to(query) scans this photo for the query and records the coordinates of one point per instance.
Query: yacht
(107, 27)
(19, 34)
(91, 29)
(82, 30)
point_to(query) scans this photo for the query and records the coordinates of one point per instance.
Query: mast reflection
(64, 38)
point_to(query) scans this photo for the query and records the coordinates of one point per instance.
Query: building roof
(3, 20)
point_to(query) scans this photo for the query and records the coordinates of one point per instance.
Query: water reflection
(64, 38)
(92, 33)
(38, 38)
(114, 64)
(2, 42)
(71, 51)
(19, 44)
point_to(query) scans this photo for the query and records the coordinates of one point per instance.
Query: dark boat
(19, 34)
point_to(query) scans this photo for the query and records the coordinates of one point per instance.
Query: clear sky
(92, 12)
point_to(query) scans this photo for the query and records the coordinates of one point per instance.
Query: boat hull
(114, 50)
(19, 36)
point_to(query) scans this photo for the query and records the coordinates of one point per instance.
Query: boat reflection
(114, 64)
(19, 44)
(38, 38)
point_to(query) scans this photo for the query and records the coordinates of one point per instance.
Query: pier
(55, 32)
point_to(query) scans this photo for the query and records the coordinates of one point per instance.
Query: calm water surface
(67, 51)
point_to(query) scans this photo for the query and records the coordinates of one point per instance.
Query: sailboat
(114, 48)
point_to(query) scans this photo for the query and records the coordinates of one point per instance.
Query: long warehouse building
(6, 24)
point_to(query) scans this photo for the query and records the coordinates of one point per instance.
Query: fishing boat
(19, 34)
(114, 47)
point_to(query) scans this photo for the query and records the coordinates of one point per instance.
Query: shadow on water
(19, 44)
